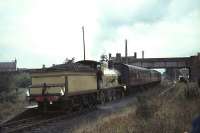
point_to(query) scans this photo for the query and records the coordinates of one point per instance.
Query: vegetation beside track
(156, 111)
(12, 93)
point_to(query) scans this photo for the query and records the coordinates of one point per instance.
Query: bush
(9, 84)
(10, 81)
(11, 100)
(22, 80)
(5, 81)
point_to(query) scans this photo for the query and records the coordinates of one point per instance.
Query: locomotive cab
(106, 78)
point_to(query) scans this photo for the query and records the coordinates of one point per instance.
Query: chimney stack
(118, 57)
(142, 54)
(109, 56)
(135, 55)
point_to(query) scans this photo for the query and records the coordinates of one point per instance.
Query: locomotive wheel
(122, 94)
(86, 101)
(118, 94)
(81, 107)
(94, 101)
(110, 96)
(81, 104)
(114, 95)
(102, 97)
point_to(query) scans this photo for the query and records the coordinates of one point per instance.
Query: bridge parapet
(193, 63)
(182, 62)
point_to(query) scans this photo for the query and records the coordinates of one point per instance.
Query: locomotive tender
(86, 83)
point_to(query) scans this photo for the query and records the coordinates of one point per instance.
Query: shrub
(22, 80)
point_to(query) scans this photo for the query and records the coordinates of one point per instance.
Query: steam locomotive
(86, 83)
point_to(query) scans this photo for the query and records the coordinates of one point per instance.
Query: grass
(172, 112)
(12, 104)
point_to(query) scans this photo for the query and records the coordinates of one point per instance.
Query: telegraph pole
(83, 41)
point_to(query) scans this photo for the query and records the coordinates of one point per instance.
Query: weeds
(170, 113)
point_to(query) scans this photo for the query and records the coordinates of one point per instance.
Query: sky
(38, 32)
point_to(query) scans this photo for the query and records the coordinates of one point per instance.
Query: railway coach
(134, 77)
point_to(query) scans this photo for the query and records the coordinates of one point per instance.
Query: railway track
(168, 89)
(38, 120)
(33, 118)
(18, 124)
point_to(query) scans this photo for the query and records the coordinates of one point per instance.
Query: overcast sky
(37, 32)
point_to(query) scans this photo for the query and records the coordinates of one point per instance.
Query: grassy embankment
(168, 111)
(12, 96)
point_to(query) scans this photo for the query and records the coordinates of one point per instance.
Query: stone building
(8, 66)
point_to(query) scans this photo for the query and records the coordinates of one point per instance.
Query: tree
(68, 61)
(22, 80)
(10, 81)
(5, 81)
(104, 58)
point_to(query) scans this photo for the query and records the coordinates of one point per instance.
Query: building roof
(8, 66)
(73, 67)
